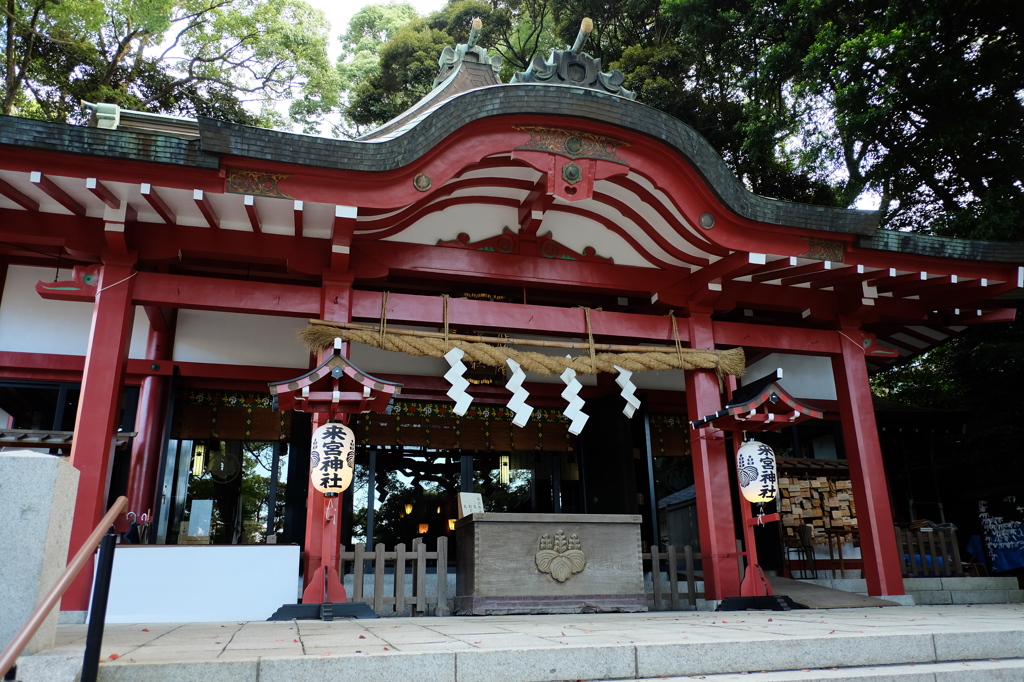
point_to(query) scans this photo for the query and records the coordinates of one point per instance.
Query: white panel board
(803, 376)
(239, 339)
(169, 584)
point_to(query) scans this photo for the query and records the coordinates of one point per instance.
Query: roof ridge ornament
(452, 58)
(574, 67)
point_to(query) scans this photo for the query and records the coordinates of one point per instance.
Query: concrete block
(781, 654)
(978, 644)
(981, 671)
(547, 664)
(124, 670)
(856, 585)
(922, 584)
(996, 583)
(388, 667)
(57, 666)
(932, 597)
(980, 596)
(37, 503)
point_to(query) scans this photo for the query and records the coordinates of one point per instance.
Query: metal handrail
(42, 610)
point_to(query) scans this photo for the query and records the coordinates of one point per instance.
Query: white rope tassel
(628, 391)
(519, 394)
(571, 394)
(459, 383)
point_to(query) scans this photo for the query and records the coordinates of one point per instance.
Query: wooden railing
(386, 601)
(42, 610)
(929, 553)
(667, 595)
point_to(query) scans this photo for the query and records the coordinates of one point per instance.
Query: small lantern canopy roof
(744, 411)
(349, 389)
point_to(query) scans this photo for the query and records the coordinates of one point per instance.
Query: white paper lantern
(332, 458)
(755, 464)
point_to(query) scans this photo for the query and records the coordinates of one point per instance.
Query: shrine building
(157, 273)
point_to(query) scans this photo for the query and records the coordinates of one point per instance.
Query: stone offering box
(548, 563)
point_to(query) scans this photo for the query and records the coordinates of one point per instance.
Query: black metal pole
(98, 611)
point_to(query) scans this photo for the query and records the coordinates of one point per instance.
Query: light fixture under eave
(451, 524)
(503, 469)
(199, 460)
(408, 508)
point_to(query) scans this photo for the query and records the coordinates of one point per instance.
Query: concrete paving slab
(222, 671)
(407, 667)
(781, 654)
(547, 664)
(956, 646)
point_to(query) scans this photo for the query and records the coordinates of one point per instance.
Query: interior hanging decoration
(755, 465)
(498, 352)
(571, 394)
(517, 403)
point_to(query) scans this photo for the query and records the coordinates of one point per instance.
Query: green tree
(918, 103)
(232, 60)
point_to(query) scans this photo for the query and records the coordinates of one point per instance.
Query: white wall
(239, 339)
(803, 376)
(31, 324)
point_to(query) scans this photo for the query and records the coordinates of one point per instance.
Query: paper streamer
(628, 391)
(519, 394)
(571, 394)
(459, 383)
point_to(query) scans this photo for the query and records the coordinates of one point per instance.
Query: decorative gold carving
(560, 557)
(572, 144)
(824, 249)
(421, 182)
(256, 183)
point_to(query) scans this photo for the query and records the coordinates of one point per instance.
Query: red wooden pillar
(711, 475)
(150, 420)
(99, 413)
(860, 435)
(323, 525)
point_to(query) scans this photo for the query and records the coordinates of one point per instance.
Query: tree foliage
(919, 103)
(233, 60)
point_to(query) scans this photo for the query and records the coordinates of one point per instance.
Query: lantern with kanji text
(332, 458)
(755, 465)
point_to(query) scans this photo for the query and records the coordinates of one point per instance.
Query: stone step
(937, 591)
(724, 652)
(1006, 670)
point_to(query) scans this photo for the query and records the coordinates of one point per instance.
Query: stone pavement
(918, 643)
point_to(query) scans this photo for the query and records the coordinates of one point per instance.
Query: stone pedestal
(548, 563)
(37, 502)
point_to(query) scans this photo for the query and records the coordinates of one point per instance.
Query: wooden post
(99, 411)
(867, 472)
(711, 475)
(442, 576)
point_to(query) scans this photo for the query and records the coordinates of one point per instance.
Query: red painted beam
(297, 213)
(56, 193)
(206, 208)
(465, 265)
(103, 193)
(253, 213)
(17, 196)
(150, 194)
